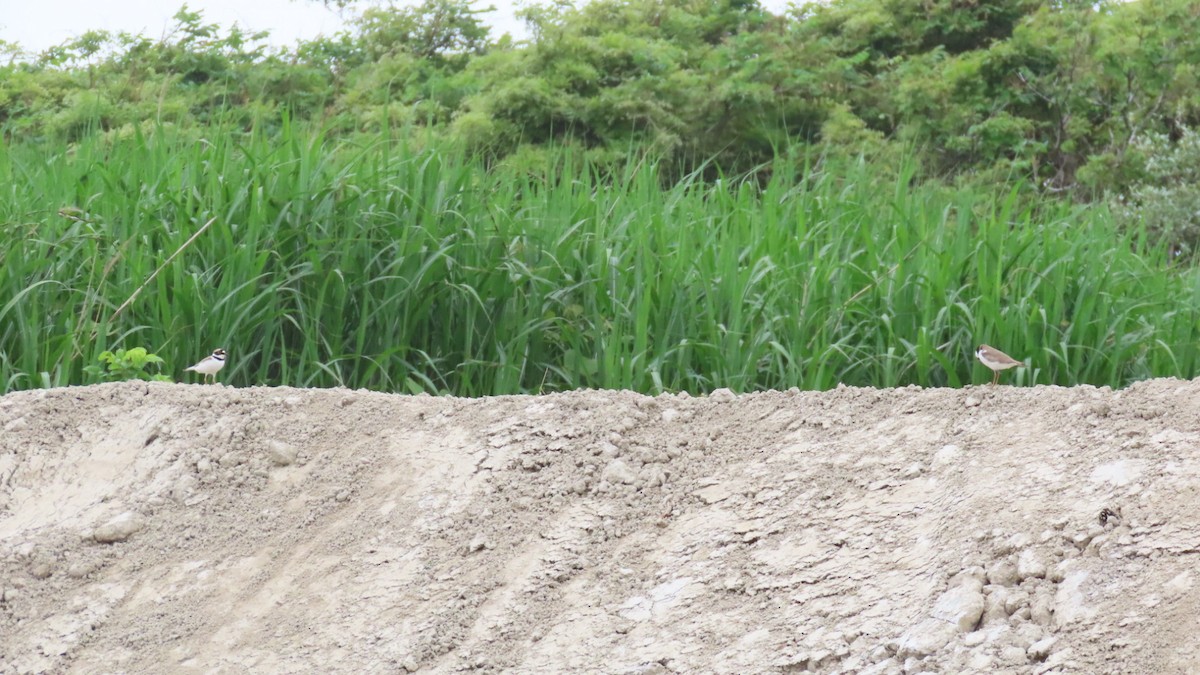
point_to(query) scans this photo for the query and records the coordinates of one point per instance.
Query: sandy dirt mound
(175, 528)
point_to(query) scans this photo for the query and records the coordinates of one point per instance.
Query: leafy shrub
(1166, 199)
(127, 365)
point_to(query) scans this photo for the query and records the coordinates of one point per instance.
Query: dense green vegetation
(647, 195)
(382, 266)
(1058, 93)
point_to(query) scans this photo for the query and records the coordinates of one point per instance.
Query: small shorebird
(996, 360)
(211, 365)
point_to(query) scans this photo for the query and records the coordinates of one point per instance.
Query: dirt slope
(174, 528)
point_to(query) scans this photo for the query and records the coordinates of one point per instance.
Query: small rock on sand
(118, 529)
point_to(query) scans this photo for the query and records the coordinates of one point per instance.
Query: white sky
(38, 24)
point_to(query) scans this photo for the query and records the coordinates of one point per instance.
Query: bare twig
(160, 267)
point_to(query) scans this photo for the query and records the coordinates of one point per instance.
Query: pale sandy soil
(157, 528)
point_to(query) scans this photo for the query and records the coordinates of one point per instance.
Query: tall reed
(375, 264)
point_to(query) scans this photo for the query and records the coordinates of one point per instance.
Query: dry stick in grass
(890, 272)
(160, 267)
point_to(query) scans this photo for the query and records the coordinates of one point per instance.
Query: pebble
(1179, 584)
(652, 476)
(1002, 573)
(722, 395)
(1031, 564)
(1015, 601)
(618, 471)
(713, 494)
(1013, 656)
(1016, 542)
(995, 606)
(79, 570)
(118, 529)
(980, 662)
(1039, 610)
(946, 455)
(926, 637)
(281, 453)
(1040, 650)
(479, 543)
(961, 606)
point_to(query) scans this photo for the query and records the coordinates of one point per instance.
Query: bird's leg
(995, 377)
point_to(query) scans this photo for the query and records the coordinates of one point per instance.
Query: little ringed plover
(996, 360)
(211, 365)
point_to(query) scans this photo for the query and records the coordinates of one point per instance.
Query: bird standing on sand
(996, 360)
(211, 365)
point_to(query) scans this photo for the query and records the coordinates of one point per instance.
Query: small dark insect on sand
(1106, 514)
